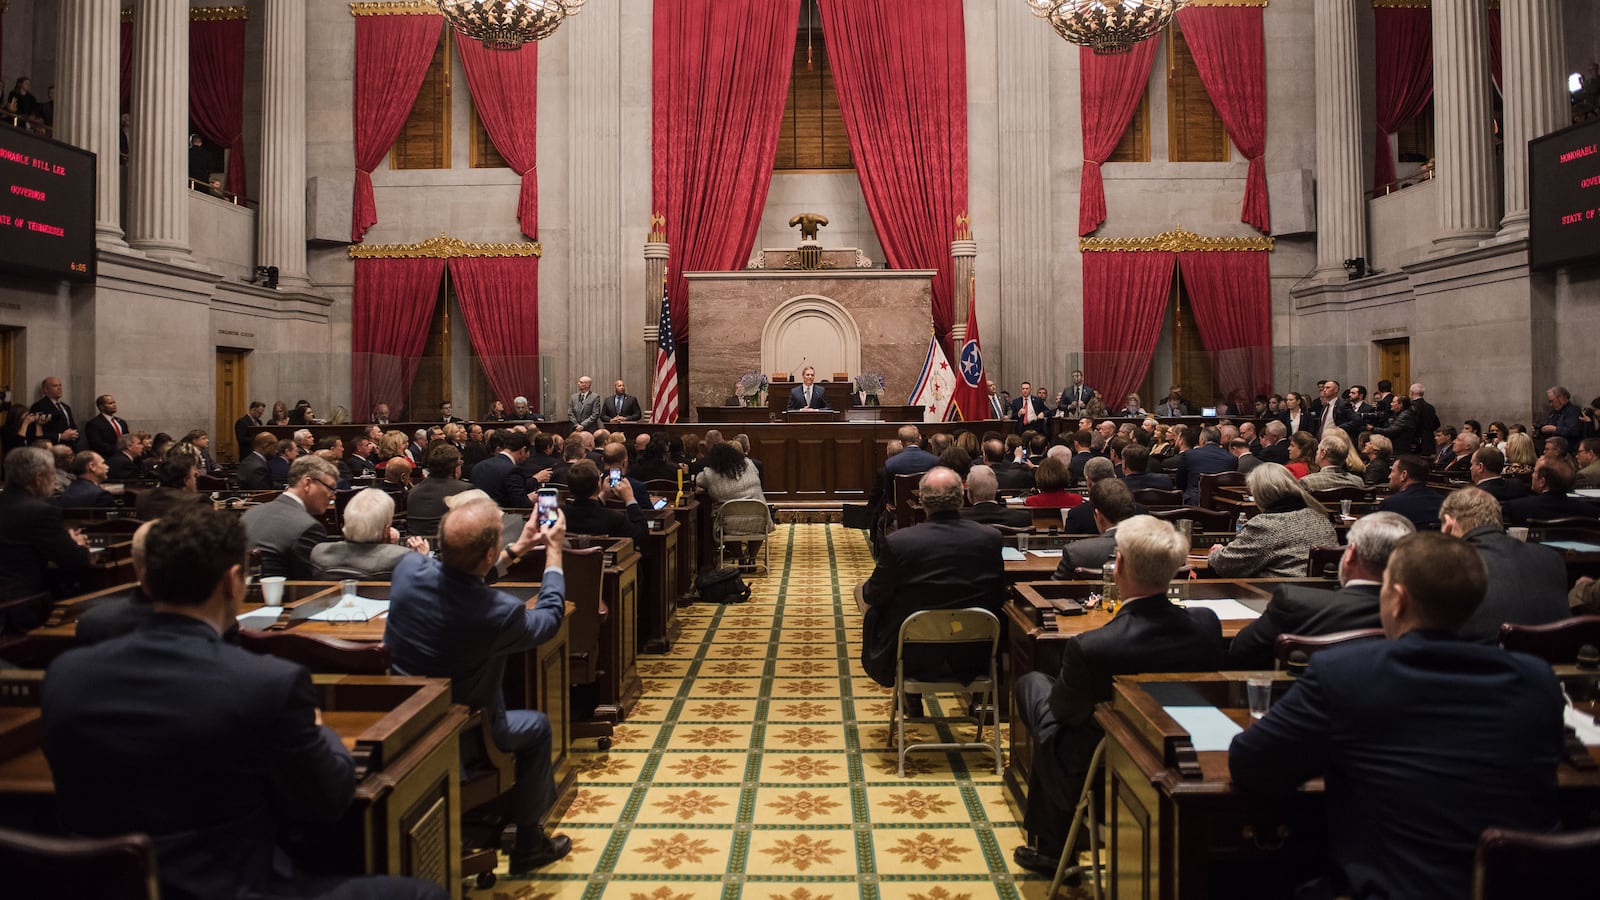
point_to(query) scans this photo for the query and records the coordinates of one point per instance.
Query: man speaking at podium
(808, 395)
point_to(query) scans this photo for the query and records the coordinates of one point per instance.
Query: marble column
(656, 253)
(281, 219)
(1463, 153)
(88, 65)
(158, 190)
(594, 157)
(1532, 41)
(962, 254)
(1341, 197)
(1021, 259)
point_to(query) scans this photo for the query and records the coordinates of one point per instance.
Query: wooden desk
(658, 608)
(403, 733)
(1179, 830)
(619, 687)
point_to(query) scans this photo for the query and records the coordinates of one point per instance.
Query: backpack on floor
(722, 586)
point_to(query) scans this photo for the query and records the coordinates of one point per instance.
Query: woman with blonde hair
(1379, 451)
(1520, 456)
(1277, 541)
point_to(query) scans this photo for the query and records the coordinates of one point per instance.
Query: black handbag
(722, 586)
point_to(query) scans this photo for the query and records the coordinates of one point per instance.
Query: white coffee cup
(272, 590)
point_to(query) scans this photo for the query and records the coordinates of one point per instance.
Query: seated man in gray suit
(289, 527)
(1527, 582)
(981, 488)
(371, 547)
(1112, 503)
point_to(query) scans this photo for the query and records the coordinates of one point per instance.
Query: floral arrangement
(869, 383)
(751, 384)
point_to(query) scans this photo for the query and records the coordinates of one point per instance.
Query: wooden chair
(1557, 643)
(1331, 496)
(1514, 864)
(1156, 498)
(22, 613)
(1320, 559)
(907, 502)
(323, 655)
(118, 868)
(1204, 519)
(1210, 483)
(1566, 522)
(1308, 645)
(487, 772)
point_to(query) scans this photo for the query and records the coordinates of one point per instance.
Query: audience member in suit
(425, 503)
(1565, 421)
(808, 395)
(1148, 634)
(1403, 425)
(290, 526)
(981, 487)
(278, 464)
(1443, 449)
(255, 470)
(117, 615)
(201, 441)
(1307, 610)
(913, 460)
(1332, 410)
(616, 457)
(541, 457)
(101, 432)
(583, 410)
(33, 538)
(1379, 453)
(445, 621)
(1027, 409)
(1172, 404)
(248, 426)
(1110, 503)
(1424, 740)
(1588, 460)
(500, 476)
(654, 461)
(1487, 464)
(1136, 462)
(1206, 459)
(1427, 419)
(1080, 519)
(1239, 449)
(1082, 452)
(209, 749)
(1412, 497)
(1276, 542)
(587, 513)
(1333, 449)
(476, 450)
(946, 562)
(124, 464)
(175, 487)
(85, 490)
(1009, 474)
(1552, 483)
(621, 406)
(1527, 582)
(58, 426)
(360, 463)
(371, 547)
(1462, 446)
(1274, 444)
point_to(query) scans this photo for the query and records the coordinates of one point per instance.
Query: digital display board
(1564, 197)
(47, 192)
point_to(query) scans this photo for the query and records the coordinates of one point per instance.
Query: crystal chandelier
(507, 24)
(1106, 26)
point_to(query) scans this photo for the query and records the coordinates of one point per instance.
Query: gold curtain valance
(1402, 4)
(395, 8)
(1175, 241)
(218, 13)
(442, 247)
(1226, 3)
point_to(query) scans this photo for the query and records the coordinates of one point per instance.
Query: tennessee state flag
(971, 401)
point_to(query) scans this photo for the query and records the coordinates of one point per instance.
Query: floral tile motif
(822, 892)
(702, 806)
(695, 767)
(606, 767)
(746, 687)
(805, 687)
(724, 737)
(805, 711)
(805, 737)
(809, 667)
(946, 850)
(804, 767)
(719, 711)
(787, 851)
(593, 804)
(914, 804)
(731, 667)
(650, 851)
(807, 806)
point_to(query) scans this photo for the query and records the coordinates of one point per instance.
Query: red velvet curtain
(1403, 47)
(902, 87)
(1109, 93)
(1230, 294)
(1230, 51)
(125, 80)
(720, 75)
(392, 57)
(504, 86)
(1124, 294)
(1494, 50)
(499, 299)
(391, 311)
(216, 90)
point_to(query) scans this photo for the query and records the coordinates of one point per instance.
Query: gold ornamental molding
(218, 13)
(1226, 3)
(395, 8)
(963, 226)
(1175, 241)
(443, 247)
(1402, 4)
(658, 228)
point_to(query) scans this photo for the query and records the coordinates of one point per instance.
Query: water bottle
(1108, 585)
(1238, 524)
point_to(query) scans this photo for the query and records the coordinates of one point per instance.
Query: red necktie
(115, 428)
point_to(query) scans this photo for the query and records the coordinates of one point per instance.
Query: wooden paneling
(1194, 130)
(1135, 143)
(231, 402)
(424, 141)
(484, 154)
(812, 135)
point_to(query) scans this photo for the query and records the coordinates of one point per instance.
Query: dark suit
(1344, 416)
(285, 532)
(157, 502)
(1503, 489)
(799, 400)
(1568, 423)
(244, 433)
(425, 504)
(255, 473)
(991, 513)
(1427, 424)
(32, 536)
(1012, 476)
(112, 617)
(1148, 634)
(944, 563)
(447, 624)
(1089, 553)
(205, 747)
(61, 419)
(1419, 503)
(1458, 738)
(1157, 480)
(910, 461)
(1206, 459)
(122, 467)
(628, 409)
(83, 493)
(1302, 609)
(360, 466)
(99, 436)
(1080, 519)
(1277, 453)
(591, 517)
(1527, 584)
(1549, 506)
(1039, 410)
(1076, 463)
(499, 477)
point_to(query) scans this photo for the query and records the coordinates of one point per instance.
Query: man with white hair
(1148, 634)
(33, 537)
(1274, 446)
(1463, 446)
(1332, 453)
(371, 547)
(981, 489)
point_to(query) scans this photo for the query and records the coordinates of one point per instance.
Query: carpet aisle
(756, 766)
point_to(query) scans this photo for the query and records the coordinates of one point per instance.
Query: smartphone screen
(615, 477)
(661, 503)
(549, 500)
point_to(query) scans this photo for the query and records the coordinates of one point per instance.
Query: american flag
(665, 408)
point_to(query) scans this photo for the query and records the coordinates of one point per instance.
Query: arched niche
(811, 330)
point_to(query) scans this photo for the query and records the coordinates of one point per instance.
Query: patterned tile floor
(755, 767)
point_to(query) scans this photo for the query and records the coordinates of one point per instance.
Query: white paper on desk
(1046, 554)
(260, 618)
(1209, 728)
(1225, 609)
(1591, 493)
(1011, 554)
(1583, 724)
(358, 609)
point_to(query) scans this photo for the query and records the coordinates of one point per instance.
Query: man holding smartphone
(57, 423)
(587, 513)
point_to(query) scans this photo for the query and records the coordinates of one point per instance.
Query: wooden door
(431, 384)
(1394, 363)
(232, 402)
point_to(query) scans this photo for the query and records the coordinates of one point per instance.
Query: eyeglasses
(330, 488)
